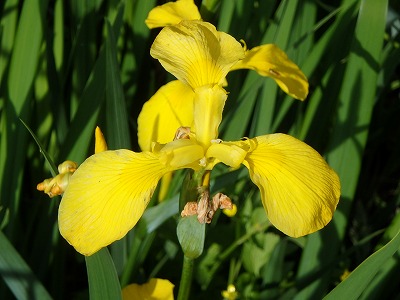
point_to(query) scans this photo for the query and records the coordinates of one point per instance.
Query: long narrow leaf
(359, 279)
(17, 274)
(356, 101)
(102, 277)
(52, 166)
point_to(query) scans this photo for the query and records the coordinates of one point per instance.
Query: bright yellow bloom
(230, 293)
(155, 289)
(267, 60)
(109, 192)
(299, 190)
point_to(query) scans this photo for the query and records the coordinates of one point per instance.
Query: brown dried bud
(190, 209)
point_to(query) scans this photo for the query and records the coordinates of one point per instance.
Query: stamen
(216, 141)
(182, 133)
(273, 72)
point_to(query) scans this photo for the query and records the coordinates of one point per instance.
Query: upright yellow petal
(172, 13)
(209, 103)
(106, 196)
(269, 60)
(155, 289)
(170, 107)
(100, 142)
(196, 53)
(298, 189)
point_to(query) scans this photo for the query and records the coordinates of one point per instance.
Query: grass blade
(17, 274)
(102, 276)
(358, 280)
(52, 166)
(356, 100)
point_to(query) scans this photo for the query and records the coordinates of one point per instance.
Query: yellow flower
(299, 191)
(230, 293)
(155, 289)
(267, 60)
(109, 192)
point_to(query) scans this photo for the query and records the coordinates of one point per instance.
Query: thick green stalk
(186, 278)
(191, 233)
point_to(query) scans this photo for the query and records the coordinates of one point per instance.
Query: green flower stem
(190, 232)
(254, 230)
(186, 278)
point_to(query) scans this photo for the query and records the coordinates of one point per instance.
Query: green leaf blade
(102, 277)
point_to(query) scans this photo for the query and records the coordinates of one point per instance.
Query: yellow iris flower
(267, 60)
(109, 192)
(155, 289)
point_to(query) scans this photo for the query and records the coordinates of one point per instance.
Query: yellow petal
(196, 53)
(172, 13)
(164, 186)
(298, 189)
(209, 103)
(180, 154)
(155, 289)
(170, 107)
(269, 60)
(100, 142)
(231, 154)
(106, 196)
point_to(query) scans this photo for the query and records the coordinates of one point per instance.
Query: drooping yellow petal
(209, 103)
(170, 107)
(155, 289)
(298, 189)
(172, 13)
(106, 196)
(269, 60)
(196, 53)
